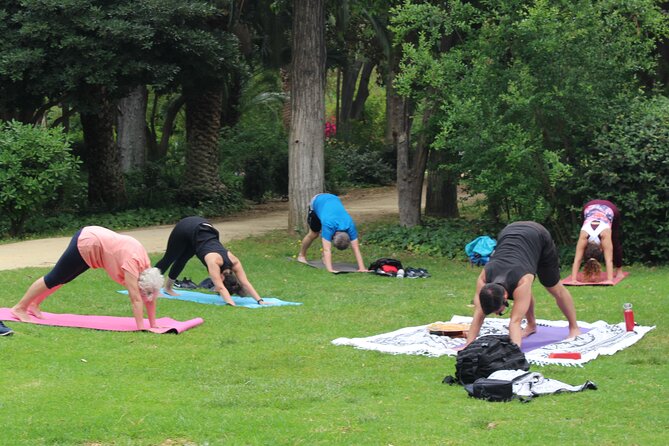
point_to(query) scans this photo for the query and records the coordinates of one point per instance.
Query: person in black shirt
(524, 249)
(195, 236)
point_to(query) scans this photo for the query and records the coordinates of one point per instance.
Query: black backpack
(486, 355)
(378, 264)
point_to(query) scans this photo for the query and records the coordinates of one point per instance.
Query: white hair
(150, 282)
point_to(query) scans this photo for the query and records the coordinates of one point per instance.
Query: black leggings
(179, 247)
(69, 266)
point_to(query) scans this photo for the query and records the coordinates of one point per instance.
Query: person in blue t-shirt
(328, 217)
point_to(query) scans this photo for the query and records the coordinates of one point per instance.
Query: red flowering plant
(331, 127)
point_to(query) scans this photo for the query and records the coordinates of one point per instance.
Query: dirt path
(364, 204)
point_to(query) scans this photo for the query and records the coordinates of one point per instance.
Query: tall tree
(201, 180)
(524, 90)
(131, 129)
(441, 198)
(88, 54)
(307, 137)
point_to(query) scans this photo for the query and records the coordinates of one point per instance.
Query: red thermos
(629, 316)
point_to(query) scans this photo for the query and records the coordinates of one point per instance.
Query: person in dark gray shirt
(524, 250)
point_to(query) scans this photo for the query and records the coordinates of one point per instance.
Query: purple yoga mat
(111, 323)
(546, 335)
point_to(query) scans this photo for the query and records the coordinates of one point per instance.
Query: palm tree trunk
(106, 185)
(201, 180)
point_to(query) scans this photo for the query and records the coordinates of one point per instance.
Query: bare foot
(35, 311)
(302, 259)
(171, 292)
(573, 333)
(529, 330)
(21, 314)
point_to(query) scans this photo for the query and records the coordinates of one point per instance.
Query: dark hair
(593, 251)
(341, 240)
(491, 297)
(232, 285)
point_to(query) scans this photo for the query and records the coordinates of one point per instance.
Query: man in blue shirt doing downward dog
(328, 217)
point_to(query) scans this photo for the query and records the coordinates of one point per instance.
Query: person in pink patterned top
(123, 258)
(600, 236)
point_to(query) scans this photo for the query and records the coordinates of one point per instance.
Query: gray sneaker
(5, 330)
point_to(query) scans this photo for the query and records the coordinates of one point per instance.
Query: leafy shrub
(445, 238)
(34, 163)
(630, 167)
(256, 150)
(348, 163)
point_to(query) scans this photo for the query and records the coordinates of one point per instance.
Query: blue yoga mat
(215, 299)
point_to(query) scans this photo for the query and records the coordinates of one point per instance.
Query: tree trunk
(168, 126)
(201, 181)
(349, 79)
(411, 166)
(106, 185)
(131, 133)
(410, 163)
(307, 124)
(442, 187)
(363, 91)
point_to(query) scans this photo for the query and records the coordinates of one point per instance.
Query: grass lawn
(271, 376)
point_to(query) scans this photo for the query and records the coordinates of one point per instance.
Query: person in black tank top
(524, 250)
(195, 236)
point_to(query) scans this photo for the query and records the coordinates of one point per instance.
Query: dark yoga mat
(341, 268)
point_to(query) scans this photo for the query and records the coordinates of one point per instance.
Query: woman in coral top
(121, 256)
(599, 237)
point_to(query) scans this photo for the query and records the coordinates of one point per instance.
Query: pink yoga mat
(111, 323)
(602, 280)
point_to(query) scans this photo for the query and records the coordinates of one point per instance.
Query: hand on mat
(228, 300)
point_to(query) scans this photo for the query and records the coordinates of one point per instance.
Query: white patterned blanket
(599, 338)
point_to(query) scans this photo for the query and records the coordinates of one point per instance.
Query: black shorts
(548, 269)
(313, 221)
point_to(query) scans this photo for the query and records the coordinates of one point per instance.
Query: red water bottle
(629, 316)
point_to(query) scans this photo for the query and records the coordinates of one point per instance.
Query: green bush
(256, 150)
(445, 238)
(34, 163)
(347, 163)
(630, 167)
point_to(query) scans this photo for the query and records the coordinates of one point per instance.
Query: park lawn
(271, 376)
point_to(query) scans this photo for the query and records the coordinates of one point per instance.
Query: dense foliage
(630, 166)
(523, 88)
(34, 164)
(348, 163)
(445, 238)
